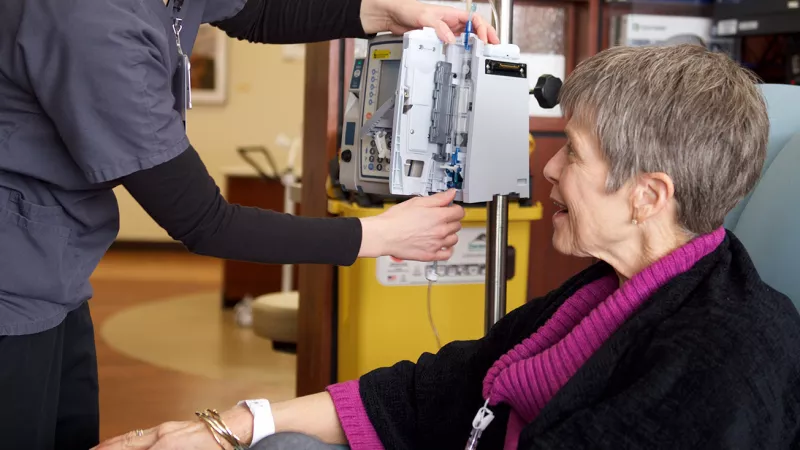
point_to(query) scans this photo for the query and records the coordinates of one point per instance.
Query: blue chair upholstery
(784, 122)
(768, 221)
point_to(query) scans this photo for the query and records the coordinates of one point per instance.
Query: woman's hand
(193, 435)
(167, 436)
(399, 16)
(419, 229)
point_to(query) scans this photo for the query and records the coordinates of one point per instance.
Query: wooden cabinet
(243, 278)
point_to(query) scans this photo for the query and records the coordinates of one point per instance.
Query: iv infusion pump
(424, 117)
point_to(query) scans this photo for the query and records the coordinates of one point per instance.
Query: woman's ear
(652, 194)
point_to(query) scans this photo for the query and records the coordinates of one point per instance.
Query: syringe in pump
(464, 89)
(460, 121)
(462, 109)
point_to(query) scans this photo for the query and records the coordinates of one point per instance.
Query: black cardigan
(712, 360)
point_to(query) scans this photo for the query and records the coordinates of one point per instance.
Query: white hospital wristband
(263, 422)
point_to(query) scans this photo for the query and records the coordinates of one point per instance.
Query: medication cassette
(424, 117)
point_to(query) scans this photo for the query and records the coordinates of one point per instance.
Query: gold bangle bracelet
(217, 431)
(211, 429)
(217, 426)
(228, 431)
(220, 429)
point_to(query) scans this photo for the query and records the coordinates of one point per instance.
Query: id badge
(184, 91)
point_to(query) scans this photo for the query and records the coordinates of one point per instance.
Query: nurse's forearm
(258, 235)
(295, 21)
(183, 199)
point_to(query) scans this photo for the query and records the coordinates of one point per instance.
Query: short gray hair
(682, 110)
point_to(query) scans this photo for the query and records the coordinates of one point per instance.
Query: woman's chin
(561, 241)
(564, 241)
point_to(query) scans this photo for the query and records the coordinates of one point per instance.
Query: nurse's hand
(420, 229)
(399, 16)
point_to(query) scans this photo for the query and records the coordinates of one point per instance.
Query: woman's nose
(553, 167)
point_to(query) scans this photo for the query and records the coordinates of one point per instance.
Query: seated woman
(671, 341)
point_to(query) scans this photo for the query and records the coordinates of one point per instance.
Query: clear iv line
(484, 416)
(479, 424)
(431, 274)
(430, 317)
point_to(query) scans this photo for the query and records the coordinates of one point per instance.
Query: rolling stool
(275, 318)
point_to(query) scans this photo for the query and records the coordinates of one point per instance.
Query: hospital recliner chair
(768, 220)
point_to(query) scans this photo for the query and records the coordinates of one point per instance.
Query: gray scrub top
(86, 97)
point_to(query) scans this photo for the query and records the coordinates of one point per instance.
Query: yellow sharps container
(382, 303)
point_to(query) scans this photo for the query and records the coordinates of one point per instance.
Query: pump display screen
(390, 71)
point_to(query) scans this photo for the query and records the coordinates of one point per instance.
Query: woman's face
(589, 221)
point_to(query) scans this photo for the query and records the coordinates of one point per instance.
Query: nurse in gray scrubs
(93, 96)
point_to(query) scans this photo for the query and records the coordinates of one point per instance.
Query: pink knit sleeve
(353, 417)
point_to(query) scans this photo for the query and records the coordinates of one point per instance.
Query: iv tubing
(495, 19)
(431, 274)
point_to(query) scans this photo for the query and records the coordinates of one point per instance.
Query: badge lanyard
(184, 66)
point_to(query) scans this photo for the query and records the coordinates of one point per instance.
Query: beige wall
(265, 100)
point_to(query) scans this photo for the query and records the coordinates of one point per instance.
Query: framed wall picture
(209, 66)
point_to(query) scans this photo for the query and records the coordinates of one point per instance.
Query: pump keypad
(373, 165)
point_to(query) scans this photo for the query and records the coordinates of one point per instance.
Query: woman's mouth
(561, 209)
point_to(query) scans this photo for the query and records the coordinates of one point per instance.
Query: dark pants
(291, 441)
(48, 387)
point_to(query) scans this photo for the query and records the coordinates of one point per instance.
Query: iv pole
(497, 215)
(496, 252)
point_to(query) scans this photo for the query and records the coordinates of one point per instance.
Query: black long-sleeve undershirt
(182, 198)
(295, 21)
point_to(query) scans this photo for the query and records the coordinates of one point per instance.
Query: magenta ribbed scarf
(531, 373)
